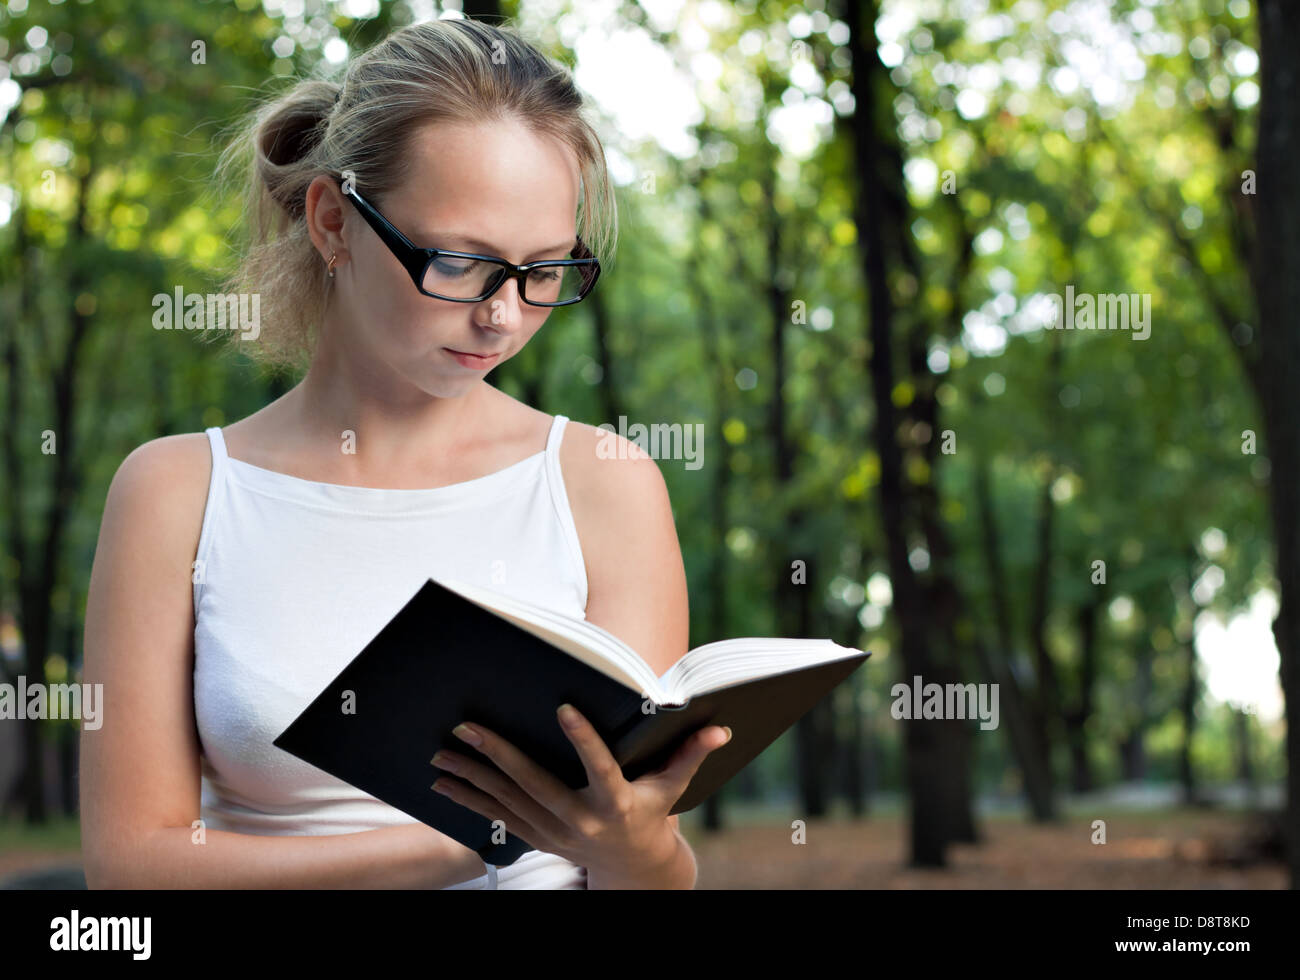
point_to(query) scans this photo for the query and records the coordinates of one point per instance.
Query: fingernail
(467, 734)
(728, 731)
(568, 716)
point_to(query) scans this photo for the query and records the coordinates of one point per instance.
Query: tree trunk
(1187, 708)
(39, 571)
(610, 403)
(1012, 700)
(926, 765)
(1047, 703)
(853, 757)
(1277, 286)
(1077, 720)
(1133, 749)
(719, 489)
(796, 572)
(1245, 757)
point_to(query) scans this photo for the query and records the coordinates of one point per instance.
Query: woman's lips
(475, 362)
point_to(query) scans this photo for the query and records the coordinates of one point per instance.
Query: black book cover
(444, 659)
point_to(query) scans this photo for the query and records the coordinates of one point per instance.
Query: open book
(457, 652)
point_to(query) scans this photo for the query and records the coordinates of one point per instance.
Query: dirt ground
(20, 863)
(1187, 849)
(1184, 850)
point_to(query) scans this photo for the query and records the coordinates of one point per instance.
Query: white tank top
(293, 577)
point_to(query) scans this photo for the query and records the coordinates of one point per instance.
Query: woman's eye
(544, 275)
(454, 267)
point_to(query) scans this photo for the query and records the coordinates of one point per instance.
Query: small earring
(333, 259)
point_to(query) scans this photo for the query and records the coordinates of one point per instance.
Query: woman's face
(494, 189)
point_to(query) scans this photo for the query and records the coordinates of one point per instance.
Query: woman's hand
(620, 828)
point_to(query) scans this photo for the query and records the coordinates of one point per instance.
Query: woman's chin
(446, 387)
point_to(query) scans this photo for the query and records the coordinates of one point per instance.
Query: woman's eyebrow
(470, 244)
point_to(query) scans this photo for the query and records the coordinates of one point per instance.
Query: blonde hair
(443, 70)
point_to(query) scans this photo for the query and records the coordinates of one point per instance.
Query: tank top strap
(218, 443)
(211, 510)
(560, 502)
(556, 435)
(552, 454)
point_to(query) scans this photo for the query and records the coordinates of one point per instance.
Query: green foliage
(109, 152)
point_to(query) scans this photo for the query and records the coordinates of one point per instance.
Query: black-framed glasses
(464, 277)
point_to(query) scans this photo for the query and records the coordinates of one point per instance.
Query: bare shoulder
(608, 476)
(165, 463)
(174, 454)
(162, 484)
(139, 606)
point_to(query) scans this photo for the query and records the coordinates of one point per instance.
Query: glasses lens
(557, 283)
(459, 278)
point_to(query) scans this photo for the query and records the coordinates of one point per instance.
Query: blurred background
(842, 226)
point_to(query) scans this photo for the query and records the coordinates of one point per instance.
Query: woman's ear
(325, 214)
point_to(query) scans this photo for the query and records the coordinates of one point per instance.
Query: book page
(725, 663)
(584, 641)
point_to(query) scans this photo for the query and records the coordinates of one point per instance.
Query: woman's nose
(505, 308)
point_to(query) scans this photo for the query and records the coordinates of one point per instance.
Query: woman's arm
(140, 773)
(636, 583)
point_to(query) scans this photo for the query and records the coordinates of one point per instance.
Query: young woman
(239, 569)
